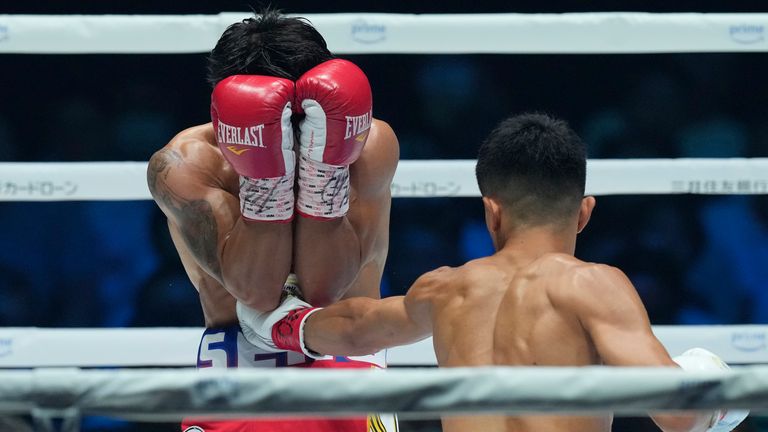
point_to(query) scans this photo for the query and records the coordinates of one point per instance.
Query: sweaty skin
(229, 259)
(532, 303)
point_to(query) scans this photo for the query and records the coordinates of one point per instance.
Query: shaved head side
(535, 166)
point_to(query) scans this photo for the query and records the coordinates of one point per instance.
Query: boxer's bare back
(530, 306)
(198, 191)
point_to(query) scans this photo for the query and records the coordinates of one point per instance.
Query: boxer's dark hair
(268, 44)
(536, 166)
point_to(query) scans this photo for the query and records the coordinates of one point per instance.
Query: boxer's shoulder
(577, 284)
(558, 267)
(373, 171)
(588, 275)
(383, 140)
(195, 143)
(444, 284)
(381, 130)
(193, 152)
(480, 278)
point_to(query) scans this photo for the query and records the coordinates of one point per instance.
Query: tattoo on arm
(195, 218)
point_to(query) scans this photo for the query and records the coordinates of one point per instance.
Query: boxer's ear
(585, 212)
(492, 215)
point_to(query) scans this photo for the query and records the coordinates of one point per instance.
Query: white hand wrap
(699, 359)
(267, 199)
(257, 326)
(323, 189)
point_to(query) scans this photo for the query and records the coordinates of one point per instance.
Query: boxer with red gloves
(243, 219)
(229, 187)
(531, 303)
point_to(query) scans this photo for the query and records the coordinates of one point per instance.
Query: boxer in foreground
(532, 303)
(292, 176)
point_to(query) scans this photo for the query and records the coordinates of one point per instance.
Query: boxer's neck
(533, 242)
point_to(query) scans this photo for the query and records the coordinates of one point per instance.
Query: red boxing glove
(281, 329)
(335, 97)
(288, 333)
(251, 117)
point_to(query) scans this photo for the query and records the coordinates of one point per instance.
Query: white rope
(357, 33)
(70, 181)
(167, 395)
(137, 347)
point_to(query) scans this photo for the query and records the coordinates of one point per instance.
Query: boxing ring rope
(177, 347)
(168, 395)
(414, 178)
(355, 33)
(359, 33)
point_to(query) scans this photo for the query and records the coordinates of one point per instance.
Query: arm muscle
(616, 320)
(362, 325)
(202, 213)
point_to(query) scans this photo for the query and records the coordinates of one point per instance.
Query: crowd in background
(694, 259)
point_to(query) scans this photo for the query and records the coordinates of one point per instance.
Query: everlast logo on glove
(250, 136)
(356, 125)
